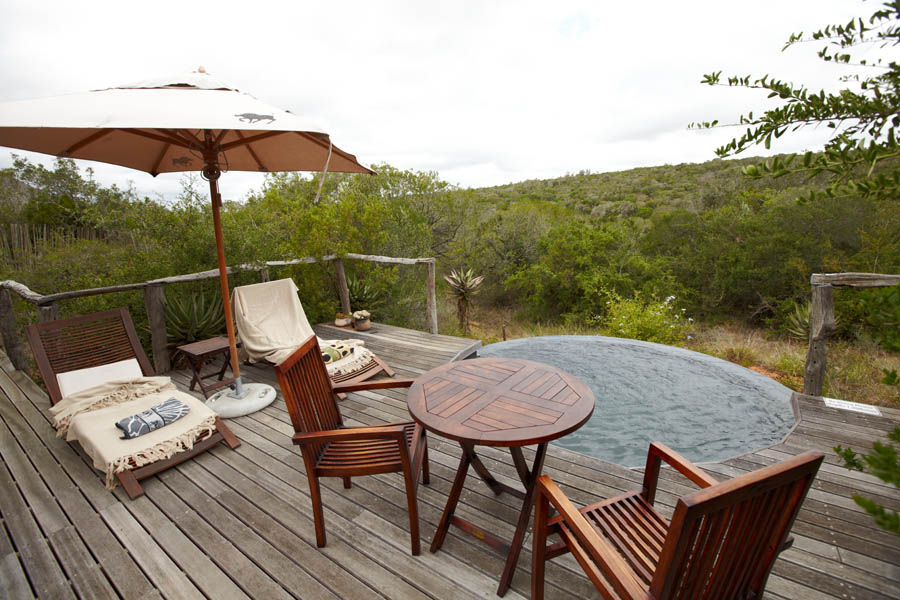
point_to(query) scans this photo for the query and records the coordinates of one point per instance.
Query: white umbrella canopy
(157, 126)
(190, 122)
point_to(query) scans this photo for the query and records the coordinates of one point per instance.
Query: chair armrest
(379, 384)
(586, 544)
(394, 431)
(660, 452)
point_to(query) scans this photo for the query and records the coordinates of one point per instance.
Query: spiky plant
(463, 285)
(798, 321)
(193, 318)
(363, 295)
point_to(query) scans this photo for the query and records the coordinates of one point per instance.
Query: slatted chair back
(723, 540)
(308, 391)
(82, 342)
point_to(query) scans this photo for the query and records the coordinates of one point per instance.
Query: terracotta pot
(362, 324)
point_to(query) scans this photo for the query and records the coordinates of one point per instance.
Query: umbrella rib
(249, 140)
(189, 139)
(84, 142)
(312, 138)
(155, 169)
(222, 134)
(252, 152)
(351, 158)
(176, 141)
(334, 148)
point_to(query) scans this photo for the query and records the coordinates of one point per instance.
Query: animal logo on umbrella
(255, 118)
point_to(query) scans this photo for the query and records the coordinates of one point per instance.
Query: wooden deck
(237, 524)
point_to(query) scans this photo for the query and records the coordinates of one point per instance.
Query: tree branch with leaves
(862, 157)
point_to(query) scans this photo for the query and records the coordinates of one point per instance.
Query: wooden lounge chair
(331, 450)
(271, 324)
(69, 345)
(720, 544)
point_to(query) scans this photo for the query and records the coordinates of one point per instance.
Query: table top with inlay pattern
(500, 401)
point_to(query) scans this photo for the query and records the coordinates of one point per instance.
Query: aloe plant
(362, 295)
(798, 321)
(463, 285)
(192, 318)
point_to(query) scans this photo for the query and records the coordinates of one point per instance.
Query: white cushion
(72, 382)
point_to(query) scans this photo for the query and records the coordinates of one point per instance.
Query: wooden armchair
(331, 450)
(720, 544)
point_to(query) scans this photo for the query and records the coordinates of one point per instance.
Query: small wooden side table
(197, 353)
(498, 402)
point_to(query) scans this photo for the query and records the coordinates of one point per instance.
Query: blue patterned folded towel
(152, 418)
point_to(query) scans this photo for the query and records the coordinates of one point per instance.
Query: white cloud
(483, 93)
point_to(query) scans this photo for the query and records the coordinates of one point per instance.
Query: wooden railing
(821, 319)
(154, 300)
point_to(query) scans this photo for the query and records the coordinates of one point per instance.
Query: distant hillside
(695, 186)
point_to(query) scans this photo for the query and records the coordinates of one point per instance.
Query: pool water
(703, 407)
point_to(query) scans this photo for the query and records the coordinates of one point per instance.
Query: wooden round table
(498, 402)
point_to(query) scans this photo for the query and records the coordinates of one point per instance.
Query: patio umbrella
(191, 122)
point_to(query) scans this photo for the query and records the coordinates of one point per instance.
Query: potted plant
(361, 320)
(342, 320)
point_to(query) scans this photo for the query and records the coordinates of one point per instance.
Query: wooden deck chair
(271, 324)
(720, 544)
(331, 450)
(67, 346)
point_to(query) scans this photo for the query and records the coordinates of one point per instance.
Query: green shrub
(884, 463)
(882, 314)
(646, 319)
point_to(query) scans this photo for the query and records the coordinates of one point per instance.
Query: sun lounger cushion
(72, 382)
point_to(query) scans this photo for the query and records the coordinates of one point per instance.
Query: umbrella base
(259, 396)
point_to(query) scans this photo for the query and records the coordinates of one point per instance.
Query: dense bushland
(727, 247)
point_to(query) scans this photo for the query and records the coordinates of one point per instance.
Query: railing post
(343, 290)
(9, 329)
(154, 300)
(264, 275)
(48, 312)
(431, 297)
(821, 326)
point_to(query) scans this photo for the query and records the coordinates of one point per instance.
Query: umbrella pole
(212, 173)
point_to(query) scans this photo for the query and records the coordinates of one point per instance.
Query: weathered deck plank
(235, 524)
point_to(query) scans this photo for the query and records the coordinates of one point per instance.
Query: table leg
(225, 365)
(469, 450)
(524, 517)
(521, 464)
(196, 365)
(455, 491)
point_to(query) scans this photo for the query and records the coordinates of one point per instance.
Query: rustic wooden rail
(821, 319)
(154, 299)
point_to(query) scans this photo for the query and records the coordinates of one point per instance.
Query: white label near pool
(866, 409)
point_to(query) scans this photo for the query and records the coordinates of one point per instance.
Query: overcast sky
(484, 93)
